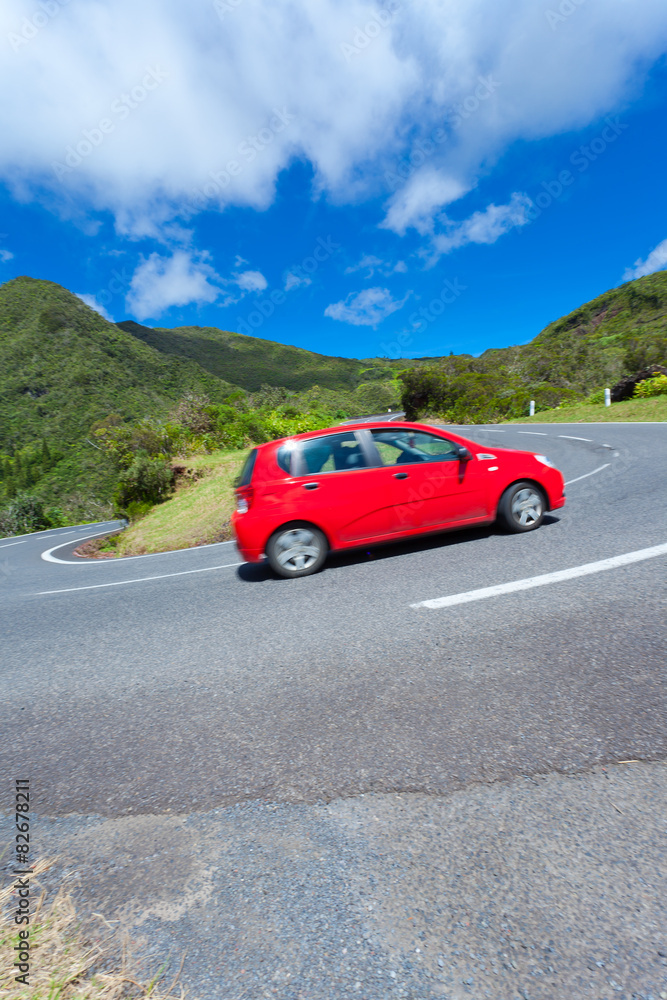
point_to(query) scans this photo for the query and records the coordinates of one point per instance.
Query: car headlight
(545, 461)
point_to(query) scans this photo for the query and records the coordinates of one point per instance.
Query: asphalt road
(301, 767)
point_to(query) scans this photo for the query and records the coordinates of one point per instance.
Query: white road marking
(587, 474)
(541, 434)
(571, 437)
(143, 579)
(48, 557)
(61, 545)
(58, 532)
(488, 431)
(22, 542)
(541, 581)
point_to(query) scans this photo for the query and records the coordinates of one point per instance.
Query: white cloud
(371, 264)
(251, 281)
(186, 277)
(414, 205)
(224, 112)
(91, 301)
(162, 282)
(6, 255)
(367, 263)
(366, 308)
(483, 227)
(293, 280)
(656, 261)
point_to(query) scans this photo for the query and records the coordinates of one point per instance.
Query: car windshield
(400, 447)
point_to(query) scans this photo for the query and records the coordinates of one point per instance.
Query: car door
(431, 485)
(335, 486)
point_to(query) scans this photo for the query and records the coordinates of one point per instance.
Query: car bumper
(246, 539)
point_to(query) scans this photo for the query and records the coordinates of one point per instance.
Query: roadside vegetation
(197, 513)
(569, 363)
(64, 963)
(628, 410)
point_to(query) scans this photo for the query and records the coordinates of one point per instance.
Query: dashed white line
(9, 544)
(541, 434)
(544, 579)
(489, 431)
(587, 474)
(571, 437)
(143, 579)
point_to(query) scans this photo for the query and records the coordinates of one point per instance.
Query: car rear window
(247, 470)
(284, 457)
(331, 453)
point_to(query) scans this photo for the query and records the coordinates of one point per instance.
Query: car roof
(364, 424)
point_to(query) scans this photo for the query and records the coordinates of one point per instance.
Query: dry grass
(197, 514)
(630, 409)
(63, 964)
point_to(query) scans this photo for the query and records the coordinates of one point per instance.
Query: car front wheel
(522, 507)
(296, 550)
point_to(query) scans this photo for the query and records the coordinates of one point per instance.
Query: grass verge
(64, 965)
(197, 514)
(631, 409)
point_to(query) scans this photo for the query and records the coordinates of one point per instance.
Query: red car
(365, 483)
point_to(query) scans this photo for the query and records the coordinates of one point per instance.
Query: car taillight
(244, 495)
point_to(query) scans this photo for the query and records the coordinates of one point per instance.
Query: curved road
(327, 786)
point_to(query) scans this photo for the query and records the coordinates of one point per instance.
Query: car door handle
(400, 475)
(311, 486)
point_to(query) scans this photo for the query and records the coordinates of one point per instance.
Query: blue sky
(397, 178)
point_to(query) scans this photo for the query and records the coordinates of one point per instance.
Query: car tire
(297, 549)
(522, 507)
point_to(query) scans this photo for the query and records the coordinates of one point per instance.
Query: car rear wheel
(296, 550)
(522, 507)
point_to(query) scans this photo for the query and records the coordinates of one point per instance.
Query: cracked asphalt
(317, 790)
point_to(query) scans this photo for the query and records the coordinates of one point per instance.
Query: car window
(284, 456)
(247, 470)
(401, 447)
(331, 453)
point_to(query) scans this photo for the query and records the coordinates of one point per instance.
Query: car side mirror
(463, 454)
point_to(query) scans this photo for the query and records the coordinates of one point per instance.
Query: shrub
(24, 514)
(651, 387)
(137, 509)
(146, 481)
(193, 413)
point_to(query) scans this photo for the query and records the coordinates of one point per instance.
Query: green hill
(63, 368)
(249, 361)
(618, 333)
